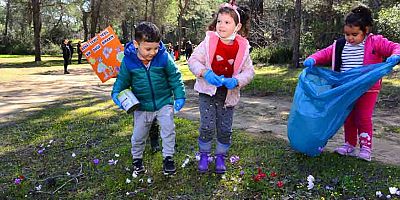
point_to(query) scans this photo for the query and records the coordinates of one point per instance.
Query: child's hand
(116, 100)
(212, 78)
(393, 59)
(309, 62)
(179, 103)
(230, 83)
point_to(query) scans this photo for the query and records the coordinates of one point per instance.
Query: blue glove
(230, 83)
(116, 100)
(179, 103)
(212, 78)
(309, 62)
(393, 59)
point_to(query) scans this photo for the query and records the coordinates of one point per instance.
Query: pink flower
(273, 174)
(279, 184)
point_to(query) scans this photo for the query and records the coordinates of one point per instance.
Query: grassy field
(51, 154)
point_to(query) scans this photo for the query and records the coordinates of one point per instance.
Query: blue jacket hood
(131, 58)
(131, 50)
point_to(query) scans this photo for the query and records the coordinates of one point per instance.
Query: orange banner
(105, 53)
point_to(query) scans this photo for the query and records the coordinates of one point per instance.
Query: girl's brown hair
(244, 19)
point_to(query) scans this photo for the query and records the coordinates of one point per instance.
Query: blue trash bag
(322, 101)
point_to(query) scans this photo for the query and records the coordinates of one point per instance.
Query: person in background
(78, 49)
(66, 51)
(176, 51)
(188, 49)
(72, 51)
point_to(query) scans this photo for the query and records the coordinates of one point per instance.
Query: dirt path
(258, 115)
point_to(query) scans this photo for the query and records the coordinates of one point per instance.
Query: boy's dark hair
(244, 19)
(360, 16)
(147, 32)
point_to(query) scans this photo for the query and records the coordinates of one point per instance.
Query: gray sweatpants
(142, 124)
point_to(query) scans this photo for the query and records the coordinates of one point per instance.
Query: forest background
(282, 31)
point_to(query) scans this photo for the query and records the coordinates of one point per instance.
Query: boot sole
(169, 173)
(203, 171)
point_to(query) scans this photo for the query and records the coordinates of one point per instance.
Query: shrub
(51, 48)
(272, 55)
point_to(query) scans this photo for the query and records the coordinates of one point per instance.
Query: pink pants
(359, 121)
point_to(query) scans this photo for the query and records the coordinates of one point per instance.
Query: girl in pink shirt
(358, 47)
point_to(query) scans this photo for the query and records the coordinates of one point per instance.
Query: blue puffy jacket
(155, 86)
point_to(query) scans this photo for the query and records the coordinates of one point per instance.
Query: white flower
(328, 187)
(388, 196)
(310, 185)
(112, 162)
(235, 189)
(223, 177)
(116, 155)
(73, 155)
(310, 178)
(68, 174)
(393, 190)
(48, 145)
(128, 180)
(378, 193)
(398, 192)
(127, 169)
(38, 188)
(185, 162)
(149, 180)
(134, 175)
(128, 193)
(51, 141)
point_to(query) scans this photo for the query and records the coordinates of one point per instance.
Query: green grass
(92, 128)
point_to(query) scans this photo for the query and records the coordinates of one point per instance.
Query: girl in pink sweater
(222, 65)
(359, 47)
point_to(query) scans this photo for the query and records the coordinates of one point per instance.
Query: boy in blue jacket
(150, 72)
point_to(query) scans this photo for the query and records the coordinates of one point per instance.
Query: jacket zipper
(151, 86)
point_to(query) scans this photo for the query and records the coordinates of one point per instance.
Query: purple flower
(96, 161)
(234, 159)
(17, 181)
(320, 149)
(40, 151)
(241, 173)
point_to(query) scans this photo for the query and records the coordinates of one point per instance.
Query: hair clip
(232, 5)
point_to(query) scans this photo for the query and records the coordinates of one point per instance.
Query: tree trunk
(125, 33)
(37, 26)
(153, 10)
(296, 34)
(182, 12)
(94, 18)
(85, 16)
(145, 11)
(8, 12)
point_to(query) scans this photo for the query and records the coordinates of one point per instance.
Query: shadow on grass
(44, 63)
